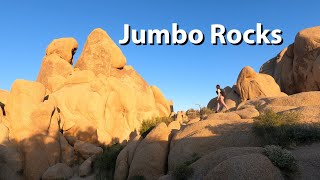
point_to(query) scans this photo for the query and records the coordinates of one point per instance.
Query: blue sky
(187, 74)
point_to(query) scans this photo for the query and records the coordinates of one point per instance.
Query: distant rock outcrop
(297, 67)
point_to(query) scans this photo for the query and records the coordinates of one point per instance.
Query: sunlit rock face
(297, 67)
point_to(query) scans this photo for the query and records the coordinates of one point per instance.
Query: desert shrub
(206, 111)
(272, 119)
(285, 129)
(281, 158)
(137, 178)
(105, 163)
(192, 114)
(184, 171)
(148, 125)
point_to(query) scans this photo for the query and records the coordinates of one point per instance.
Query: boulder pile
(52, 128)
(60, 125)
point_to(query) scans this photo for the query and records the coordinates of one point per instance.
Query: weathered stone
(252, 85)
(65, 48)
(151, 155)
(209, 161)
(209, 135)
(296, 68)
(87, 150)
(252, 166)
(58, 171)
(125, 158)
(85, 168)
(248, 113)
(100, 54)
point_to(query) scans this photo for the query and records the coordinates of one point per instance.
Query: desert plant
(281, 158)
(192, 114)
(105, 163)
(137, 178)
(206, 111)
(285, 129)
(184, 171)
(272, 119)
(148, 125)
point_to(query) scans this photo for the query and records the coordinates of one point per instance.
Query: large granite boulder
(252, 85)
(100, 54)
(297, 67)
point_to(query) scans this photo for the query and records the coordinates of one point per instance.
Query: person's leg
(218, 107)
(223, 103)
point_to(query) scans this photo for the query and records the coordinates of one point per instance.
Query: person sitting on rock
(220, 98)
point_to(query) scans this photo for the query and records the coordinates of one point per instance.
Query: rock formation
(252, 85)
(249, 85)
(100, 54)
(250, 166)
(150, 158)
(101, 101)
(56, 127)
(210, 135)
(306, 104)
(57, 64)
(297, 67)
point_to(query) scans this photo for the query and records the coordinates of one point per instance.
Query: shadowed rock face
(252, 166)
(208, 162)
(33, 126)
(209, 135)
(150, 157)
(297, 67)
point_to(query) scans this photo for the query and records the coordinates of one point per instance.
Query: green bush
(285, 129)
(192, 114)
(281, 158)
(184, 171)
(137, 178)
(148, 125)
(272, 119)
(106, 162)
(206, 111)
